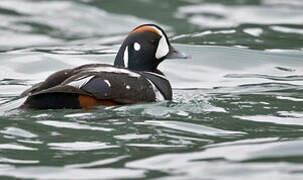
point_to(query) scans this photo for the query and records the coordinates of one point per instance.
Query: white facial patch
(125, 57)
(162, 49)
(137, 46)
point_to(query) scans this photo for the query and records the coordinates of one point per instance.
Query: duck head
(145, 48)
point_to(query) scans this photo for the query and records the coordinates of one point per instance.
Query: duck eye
(137, 46)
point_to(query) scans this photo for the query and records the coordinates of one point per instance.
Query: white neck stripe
(125, 57)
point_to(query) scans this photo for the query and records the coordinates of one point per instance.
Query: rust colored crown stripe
(146, 28)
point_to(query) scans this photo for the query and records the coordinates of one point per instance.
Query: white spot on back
(137, 46)
(80, 82)
(127, 87)
(125, 57)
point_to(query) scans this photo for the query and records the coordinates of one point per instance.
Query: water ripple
(80, 146)
(97, 163)
(17, 161)
(273, 119)
(16, 147)
(13, 131)
(193, 128)
(191, 164)
(73, 125)
(68, 173)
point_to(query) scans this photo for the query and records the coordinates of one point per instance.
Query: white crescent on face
(163, 47)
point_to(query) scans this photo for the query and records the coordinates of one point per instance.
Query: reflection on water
(237, 108)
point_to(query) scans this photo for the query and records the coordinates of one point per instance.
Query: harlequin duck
(134, 77)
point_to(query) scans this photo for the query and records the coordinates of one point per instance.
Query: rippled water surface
(237, 108)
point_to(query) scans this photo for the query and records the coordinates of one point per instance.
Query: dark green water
(237, 108)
